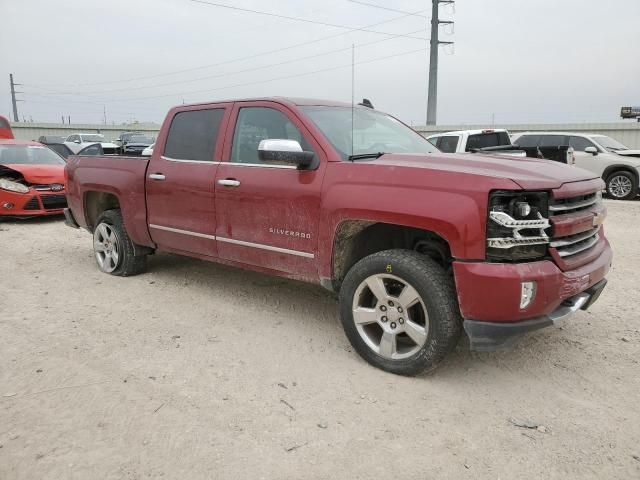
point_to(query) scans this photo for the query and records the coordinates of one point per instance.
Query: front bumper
(489, 295)
(490, 336)
(32, 204)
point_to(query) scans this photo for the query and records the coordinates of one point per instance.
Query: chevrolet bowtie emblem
(598, 219)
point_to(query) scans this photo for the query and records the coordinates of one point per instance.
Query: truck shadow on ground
(303, 305)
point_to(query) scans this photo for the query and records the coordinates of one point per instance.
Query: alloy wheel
(105, 246)
(390, 316)
(620, 186)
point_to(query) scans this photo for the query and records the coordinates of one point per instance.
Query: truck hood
(528, 173)
(39, 174)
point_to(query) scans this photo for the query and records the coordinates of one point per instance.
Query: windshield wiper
(363, 156)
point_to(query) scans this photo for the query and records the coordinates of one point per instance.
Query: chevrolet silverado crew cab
(419, 244)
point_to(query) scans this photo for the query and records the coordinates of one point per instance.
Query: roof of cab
(283, 100)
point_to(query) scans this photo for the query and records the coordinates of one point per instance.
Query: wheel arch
(611, 169)
(97, 202)
(355, 239)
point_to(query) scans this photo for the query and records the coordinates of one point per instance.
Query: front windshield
(93, 138)
(28, 155)
(140, 139)
(609, 143)
(373, 131)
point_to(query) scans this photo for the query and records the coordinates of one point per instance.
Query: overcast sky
(520, 61)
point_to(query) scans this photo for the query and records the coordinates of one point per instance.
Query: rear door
(268, 214)
(181, 181)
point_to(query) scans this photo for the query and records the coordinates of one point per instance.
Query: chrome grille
(570, 245)
(574, 204)
(574, 244)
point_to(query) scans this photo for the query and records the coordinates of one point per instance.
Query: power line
(252, 56)
(386, 8)
(286, 77)
(287, 17)
(225, 74)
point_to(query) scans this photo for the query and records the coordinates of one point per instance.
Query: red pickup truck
(419, 245)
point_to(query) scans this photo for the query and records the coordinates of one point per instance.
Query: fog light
(527, 293)
(8, 205)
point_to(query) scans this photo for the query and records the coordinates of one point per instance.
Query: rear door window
(482, 140)
(448, 143)
(193, 135)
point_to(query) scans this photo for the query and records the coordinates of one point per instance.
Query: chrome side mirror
(285, 151)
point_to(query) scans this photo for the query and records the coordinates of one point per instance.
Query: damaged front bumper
(491, 336)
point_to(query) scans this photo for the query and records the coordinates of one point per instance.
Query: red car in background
(31, 180)
(5, 128)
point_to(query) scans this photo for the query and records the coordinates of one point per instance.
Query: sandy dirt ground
(195, 370)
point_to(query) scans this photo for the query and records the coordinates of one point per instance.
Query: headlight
(12, 186)
(516, 225)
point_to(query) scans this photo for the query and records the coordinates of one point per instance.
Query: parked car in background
(419, 244)
(5, 128)
(64, 151)
(47, 139)
(462, 141)
(599, 154)
(147, 152)
(496, 142)
(78, 141)
(31, 180)
(136, 144)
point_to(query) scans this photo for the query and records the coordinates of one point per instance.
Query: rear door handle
(157, 176)
(229, 182)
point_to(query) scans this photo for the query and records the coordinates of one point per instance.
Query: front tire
(622, 185)
(400, 312)
(113, 249)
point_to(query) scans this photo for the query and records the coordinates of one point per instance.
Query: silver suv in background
(597, 153)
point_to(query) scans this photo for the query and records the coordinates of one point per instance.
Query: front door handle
(229, 182)
(157, 176)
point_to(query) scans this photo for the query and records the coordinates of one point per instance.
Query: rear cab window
(193, 135)
(488, 139)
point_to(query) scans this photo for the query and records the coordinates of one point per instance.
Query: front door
(268, 214)
(181, 181)
(586, 160)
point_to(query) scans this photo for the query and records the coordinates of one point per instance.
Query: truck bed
(123, 176)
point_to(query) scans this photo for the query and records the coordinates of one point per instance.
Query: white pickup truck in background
(496, 141)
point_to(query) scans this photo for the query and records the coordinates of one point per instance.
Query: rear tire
(114, 250)
(622, 185)
(400, 312)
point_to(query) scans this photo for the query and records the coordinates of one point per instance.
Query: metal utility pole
(14, 101)
(432, 101)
